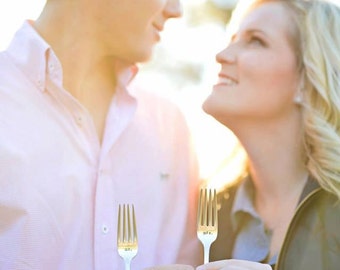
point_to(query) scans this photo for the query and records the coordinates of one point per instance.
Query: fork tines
(127, 242)
(207, 208)
(207, 221)
(129, 232)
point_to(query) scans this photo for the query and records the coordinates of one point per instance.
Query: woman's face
(259, 73)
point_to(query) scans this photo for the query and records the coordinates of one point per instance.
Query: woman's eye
(256, 41)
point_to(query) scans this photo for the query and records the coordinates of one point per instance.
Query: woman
(279, 92)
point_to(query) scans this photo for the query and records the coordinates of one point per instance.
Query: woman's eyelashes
(255, 40)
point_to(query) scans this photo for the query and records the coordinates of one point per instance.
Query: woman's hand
(234, 265)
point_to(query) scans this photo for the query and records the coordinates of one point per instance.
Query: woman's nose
(173, 9)
(227, 55)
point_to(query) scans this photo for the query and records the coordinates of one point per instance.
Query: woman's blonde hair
(316, 39)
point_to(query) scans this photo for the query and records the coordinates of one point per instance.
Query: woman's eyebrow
(247, 32)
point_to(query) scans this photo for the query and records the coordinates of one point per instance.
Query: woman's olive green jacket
(312, 241)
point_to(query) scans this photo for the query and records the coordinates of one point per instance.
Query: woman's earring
(298, 97)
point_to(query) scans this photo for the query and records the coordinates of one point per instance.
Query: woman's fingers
(171, 267)
(234, 265)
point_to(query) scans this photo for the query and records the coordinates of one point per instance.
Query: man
(77, 139)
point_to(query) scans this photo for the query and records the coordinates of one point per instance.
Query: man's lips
(158, 27)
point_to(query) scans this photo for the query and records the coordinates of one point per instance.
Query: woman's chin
(208, 106)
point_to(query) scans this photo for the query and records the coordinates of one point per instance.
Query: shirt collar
(125, 77)
(244, 197)
(34, 56)
(243, 202)
(28, 50)
(310, 186)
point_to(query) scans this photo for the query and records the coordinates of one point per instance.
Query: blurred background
(183, 69)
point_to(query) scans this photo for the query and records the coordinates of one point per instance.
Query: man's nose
(173, 9)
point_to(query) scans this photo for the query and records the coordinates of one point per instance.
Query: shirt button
(105, 229)
(79, 120)
(40, 84)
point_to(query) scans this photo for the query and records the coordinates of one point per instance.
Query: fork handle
(127, 264)
(206, 252)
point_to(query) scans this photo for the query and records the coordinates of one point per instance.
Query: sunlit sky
(12, 13)
(183, 69)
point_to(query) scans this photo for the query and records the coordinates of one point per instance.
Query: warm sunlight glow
(183, 69)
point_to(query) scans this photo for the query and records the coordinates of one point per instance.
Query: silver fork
(207, 223)
(127, 237)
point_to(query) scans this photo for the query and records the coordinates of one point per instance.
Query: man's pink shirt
(60, 188)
